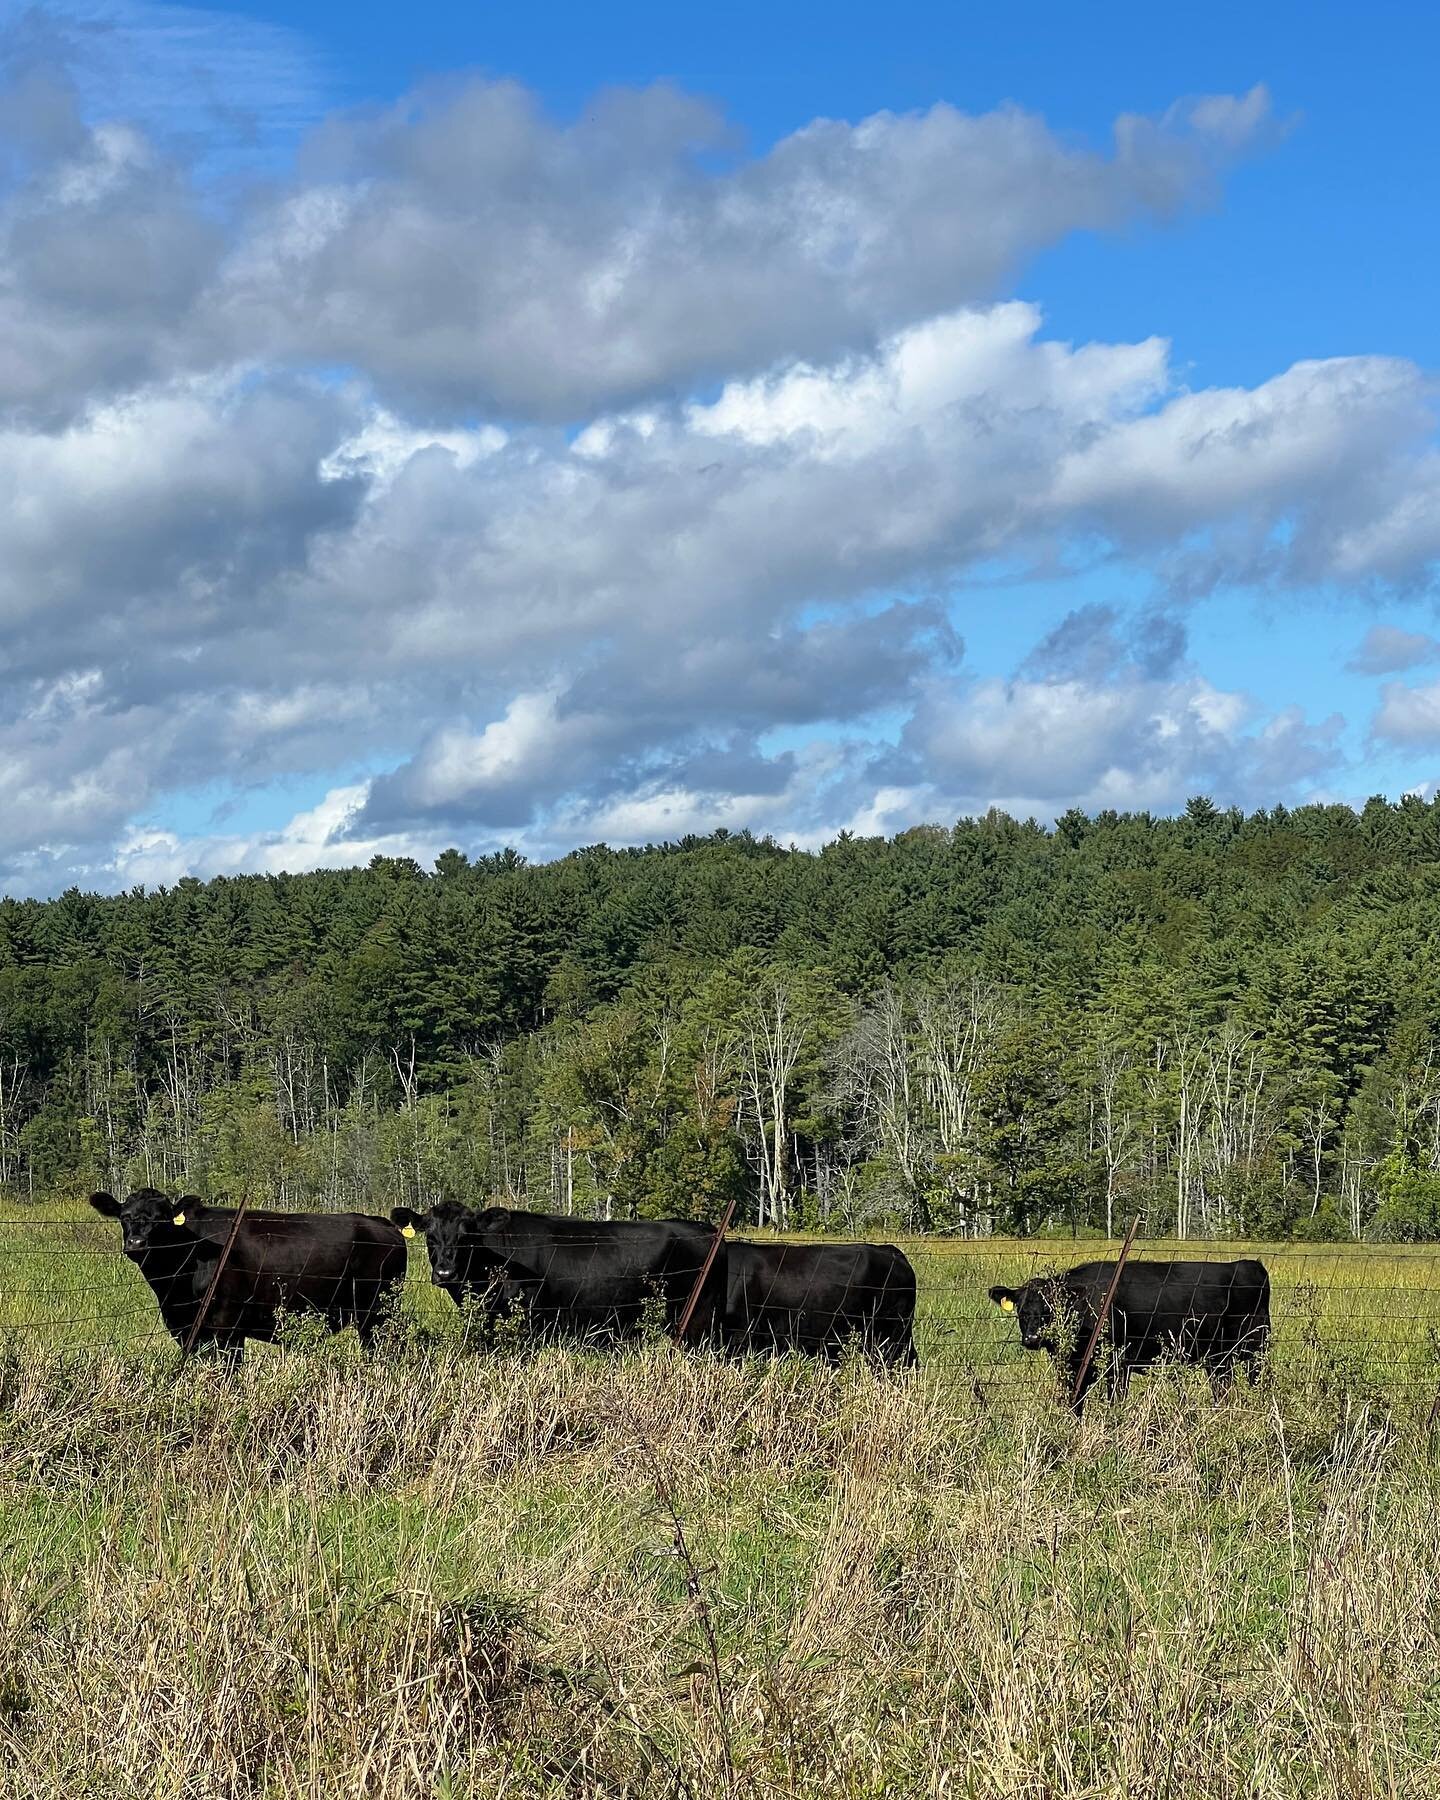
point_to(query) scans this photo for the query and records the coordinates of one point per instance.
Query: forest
(1229, 1022)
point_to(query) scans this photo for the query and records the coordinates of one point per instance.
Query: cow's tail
(1254, 1339)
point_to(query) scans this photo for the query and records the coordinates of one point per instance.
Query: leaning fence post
(1104, 1312)
(194, 1330)
(709, 1263)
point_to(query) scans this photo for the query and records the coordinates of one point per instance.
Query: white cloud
(313, 839)
(279, 577)
(1316, 445)
(468, 254)
(760, 423)
(1387, 649)
(1409, 716)
(1121, 738)
(384, 445)
(465, 250)
(1398, 534)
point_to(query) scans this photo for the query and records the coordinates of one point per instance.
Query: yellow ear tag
(1007, 1304)
(179, 1219)
(407, 1231)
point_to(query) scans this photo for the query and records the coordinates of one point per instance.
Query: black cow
(819, 1298)
(344, 1266)
(582, 1279)
(1214, 1314)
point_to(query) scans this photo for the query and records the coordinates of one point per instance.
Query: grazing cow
(819, 1298)
(344, 1266)
(1214, 1314)
(570, 1278)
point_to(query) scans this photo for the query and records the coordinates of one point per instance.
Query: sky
(472, 426)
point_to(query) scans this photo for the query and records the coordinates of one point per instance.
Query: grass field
(1371, 1313)
(457, 1576)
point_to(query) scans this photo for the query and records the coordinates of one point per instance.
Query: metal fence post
(709, 1263)
(1104, 1312)
(200, 1316)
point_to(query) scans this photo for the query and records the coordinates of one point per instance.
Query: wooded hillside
(1231, 1021)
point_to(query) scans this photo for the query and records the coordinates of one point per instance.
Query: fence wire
(1358, 1316)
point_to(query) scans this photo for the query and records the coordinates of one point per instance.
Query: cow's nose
(442, 1275)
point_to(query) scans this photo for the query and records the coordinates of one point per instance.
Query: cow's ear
(1004, 1298)
(408, 1221)
(493, 1218)
(106, 1204)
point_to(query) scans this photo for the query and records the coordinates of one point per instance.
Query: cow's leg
(1251, 1351)
(1220, 1367)
(896, 1348)
(222, 1346)
(892, 1351)
(1068, 1372)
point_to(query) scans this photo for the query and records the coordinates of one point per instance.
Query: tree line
(1229, 1021)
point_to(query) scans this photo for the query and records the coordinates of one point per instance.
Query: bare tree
(956, 1026)
(14, 1081)
(775, 1030)
(1115, 1124)
(875, 1078)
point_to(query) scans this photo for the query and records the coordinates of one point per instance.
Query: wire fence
(1360, 1317)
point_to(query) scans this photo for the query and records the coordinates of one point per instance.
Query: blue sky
(419, 444)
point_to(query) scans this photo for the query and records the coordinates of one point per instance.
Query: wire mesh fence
(1366, 1317)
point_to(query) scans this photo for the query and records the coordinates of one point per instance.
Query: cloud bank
(605, 480)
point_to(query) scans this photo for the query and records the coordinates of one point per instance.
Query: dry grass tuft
(661, 1575)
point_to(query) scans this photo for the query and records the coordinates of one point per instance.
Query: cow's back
(816, 1297)
(340, 1264)
(584, 1277)
(1189, 1307)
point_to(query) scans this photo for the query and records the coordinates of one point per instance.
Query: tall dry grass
(659, 1575)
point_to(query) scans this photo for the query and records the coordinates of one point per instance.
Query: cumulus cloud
(281, 572)
(464, 249)
(600, 480)
(1104, 731)
(319, 837)
(103, 248)
(467, 252)
(1387, 649)
(123, 127)
(144, 535)
(1408, 716)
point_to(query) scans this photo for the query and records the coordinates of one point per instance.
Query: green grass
(661, 1575)
(1369, 1313)
(557, 1576)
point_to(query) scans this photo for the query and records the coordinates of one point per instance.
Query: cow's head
(150, 1220)
(445, 1228)
(1035, 1306)
(494, 1224)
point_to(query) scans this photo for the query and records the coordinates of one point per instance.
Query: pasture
(1369, 1314)
(516, 1575)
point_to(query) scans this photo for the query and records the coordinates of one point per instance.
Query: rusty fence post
(1104, 1312)
(709, 1263)
(200, 1316)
